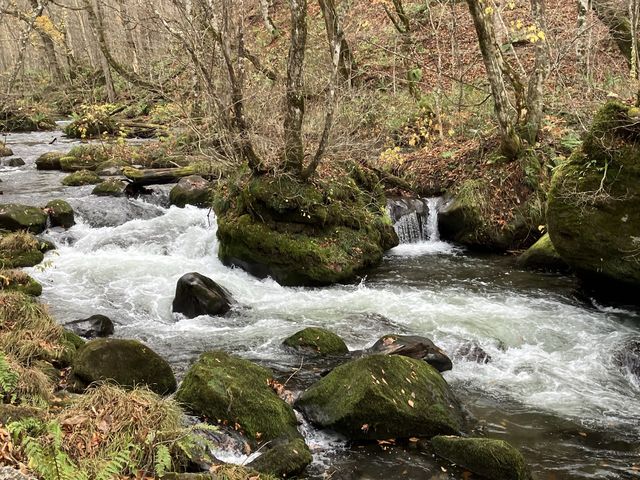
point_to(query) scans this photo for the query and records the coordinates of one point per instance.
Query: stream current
(551, 388)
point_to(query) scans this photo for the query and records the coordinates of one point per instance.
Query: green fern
(122, 460)
(8, 378)
(163, 460)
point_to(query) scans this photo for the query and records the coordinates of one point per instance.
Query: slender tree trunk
(584, 36)
(265, 8)
(494, 64)
(128, 35)
(535, 93)
(24, 39)
(294, 110)
(347, 64)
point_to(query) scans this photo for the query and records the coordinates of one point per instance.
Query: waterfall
(415, 219)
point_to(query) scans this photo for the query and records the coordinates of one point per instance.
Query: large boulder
(60, 213)
(413, 346)
(318, 341)
(191, 190)
(627, 357)
(284, 460)
(81, 177)
(300, 233)
(127, 362)
(380, 397)
(5, 151)
(199, 295)
(85, 157)
(94, 326)
(232, 390)
(542, 255)
(49, 161)
(15, 217)
(594, 203)
(492, 459)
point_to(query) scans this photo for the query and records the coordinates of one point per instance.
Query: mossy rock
(112, 187)
(15, 217)
(318, 341)
(224, 388)
(50, 161)
(82, 177)
(542, 255)
(302, 234)
(5, 151)
(284, 460)
(86, 157)
(76, 340)
(110, 168)
(493, 459)
(24, 259)
(18, 281)
(14, 118)
(467, 219)
(126, 362)
(191, 190)
(93, 124)
(60, 213)
(594, 203)
(380, 397)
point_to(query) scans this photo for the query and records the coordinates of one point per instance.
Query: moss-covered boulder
(60, 213)
(20, 249)
(594, 203)
(126, 362)
(493, 459)
(542, 255)
(16, 117)
(50, 161)
(468, 218)
(192, 190)
(18, 281)
(5, 151)
(81, 177)
(318, 341)
(15, 217)
(110, 168)
(301, 233)
(284, 460)
(86, 157)
(232, 390)
(112, 187)
(379, 397)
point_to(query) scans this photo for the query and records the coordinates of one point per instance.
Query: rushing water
(552, 388)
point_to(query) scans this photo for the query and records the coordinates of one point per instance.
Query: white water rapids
(551, 351)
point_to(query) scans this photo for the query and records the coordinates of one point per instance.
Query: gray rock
(199, 295)
(94, 326)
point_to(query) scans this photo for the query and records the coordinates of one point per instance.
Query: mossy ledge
(303, 233)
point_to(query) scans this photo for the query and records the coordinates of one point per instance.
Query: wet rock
(199, 295)
(593, 218)
(81, 177)
(493, 459)
(381, 397)
(317, 341)
(191, 190)
(110, 168)
(94, 326)
(14, 217)
(49, 161)
(111, 187)
(224, 388)
(542, 255)
(628, 357)
(473, 352)
(413, 346)
(13, 162)
(284, 460)
(127, 362)
(5, 151)
(60, 213)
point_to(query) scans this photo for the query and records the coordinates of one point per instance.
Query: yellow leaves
(44, 24)
(488, 11)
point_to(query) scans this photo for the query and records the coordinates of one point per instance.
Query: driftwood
(156, 176)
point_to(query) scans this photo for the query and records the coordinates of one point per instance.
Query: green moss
(232, 390)
(127, 362)
(15, 217)
(49, 161)
(379, 397)
(493, 459)
(542, 255)
(594, 203)
(82, 177)
(317, 340)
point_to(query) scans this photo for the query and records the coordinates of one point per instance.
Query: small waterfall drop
(414, 219)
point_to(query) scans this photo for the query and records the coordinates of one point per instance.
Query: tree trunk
(347, 65)
(265, 7)
(511, 144)
(294, 113)
(617, 21)
(583, 37)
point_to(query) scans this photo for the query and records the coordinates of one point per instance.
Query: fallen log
(157, 176)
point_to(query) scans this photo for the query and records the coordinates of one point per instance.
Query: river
(551, 387)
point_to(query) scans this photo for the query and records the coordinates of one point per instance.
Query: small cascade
(415, 219)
